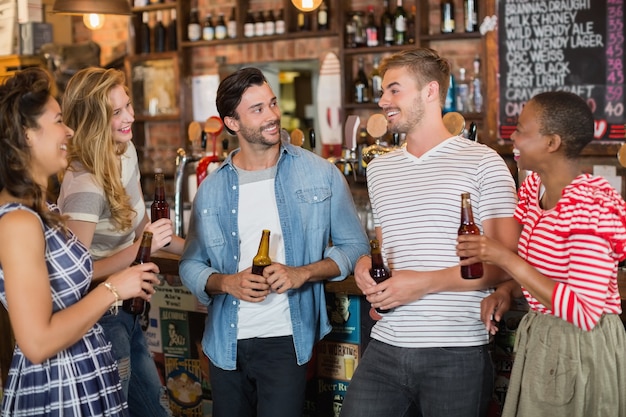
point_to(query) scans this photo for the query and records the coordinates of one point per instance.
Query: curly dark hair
(231, 90)
(567, 115)
(23, 97)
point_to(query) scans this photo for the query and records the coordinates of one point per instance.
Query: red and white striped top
(578, 244)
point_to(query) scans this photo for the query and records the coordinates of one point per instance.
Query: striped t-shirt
(578, 243)
(416, 202)
(83, 199)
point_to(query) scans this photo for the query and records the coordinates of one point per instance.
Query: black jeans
(422, 382)
(267, 382)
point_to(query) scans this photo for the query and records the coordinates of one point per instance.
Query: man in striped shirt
(428, 356)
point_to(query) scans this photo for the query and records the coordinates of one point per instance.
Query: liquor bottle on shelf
(450, 103)
(350, 31)
(304, 21)
(262, 258)
(220, 27)
(371, 29)
(447, 16)
(470, 13)
(361, 84)
(159, 32)
(232, 24)
(410, 26)
(248, 26)
(208, 31)
(376, 81)
(144, 34)
(476, 89)
(172, 36)
(379, 271)
(194, 29)
(259, 25)
(468, 227)
(360, 36)
(280, 23)
(386, 25)
(399, 25)
(138, 305)
(322, 17)
(462, 93)
(270, 23)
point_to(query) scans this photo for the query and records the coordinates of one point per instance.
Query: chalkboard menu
(571, 45)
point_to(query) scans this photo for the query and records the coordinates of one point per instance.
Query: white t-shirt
(258, 211)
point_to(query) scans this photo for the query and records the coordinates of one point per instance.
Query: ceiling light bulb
(93, 21)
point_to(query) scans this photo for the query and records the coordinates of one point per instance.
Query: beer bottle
(194, 30)
(138, 305)
(262, 258)
(159, 209)
(468, 227)
(379, 271)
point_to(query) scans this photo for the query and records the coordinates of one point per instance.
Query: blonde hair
(87, 110)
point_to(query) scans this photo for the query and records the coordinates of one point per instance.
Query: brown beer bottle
(262, 258)
(160, 209)
(138, 305)
(379, 271)
(468, 227)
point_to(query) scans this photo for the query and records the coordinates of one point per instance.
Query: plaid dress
(81, 380)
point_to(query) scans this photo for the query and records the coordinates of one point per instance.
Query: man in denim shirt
(261, 330)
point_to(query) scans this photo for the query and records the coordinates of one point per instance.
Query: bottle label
(322, 18)
(232, 29)
(208, 33)
(280, 27)
(270, 28)
(259, 29)
(194, 31)
(248, 30)
(400, 24)
(220, 32)
(372, 36)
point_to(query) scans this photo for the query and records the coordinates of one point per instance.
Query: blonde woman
(62, 364)
(102, 195)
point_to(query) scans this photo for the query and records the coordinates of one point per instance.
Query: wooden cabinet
(154, 80)
(460, 48)
(158, 134)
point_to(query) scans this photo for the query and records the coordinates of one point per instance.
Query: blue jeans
(140, 380)
(268, 382)
(424, 382)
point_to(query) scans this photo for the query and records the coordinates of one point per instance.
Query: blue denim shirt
(315, 207)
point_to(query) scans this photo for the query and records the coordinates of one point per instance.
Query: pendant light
(306, 5)
(93, 7)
